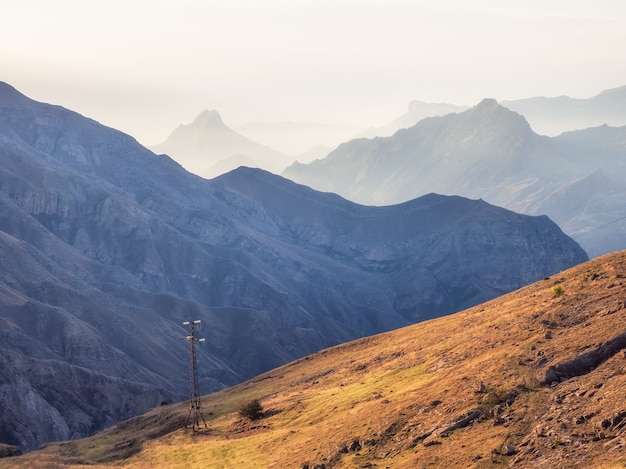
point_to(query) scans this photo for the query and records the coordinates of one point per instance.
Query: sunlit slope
(535, 378)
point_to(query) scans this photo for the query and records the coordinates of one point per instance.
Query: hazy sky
(146, 66)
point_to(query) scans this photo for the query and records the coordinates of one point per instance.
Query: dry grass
(396, 394)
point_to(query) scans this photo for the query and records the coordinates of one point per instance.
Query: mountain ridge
(546, 115)
(486, 152)
(553, 116)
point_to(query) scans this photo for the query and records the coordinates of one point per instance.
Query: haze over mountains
(417, 111)
(553, 116)
(106, 248)
(547, 115)
(492, 153)
(303, 141)
(208, 148)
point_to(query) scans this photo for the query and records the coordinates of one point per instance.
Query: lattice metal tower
(195, 404)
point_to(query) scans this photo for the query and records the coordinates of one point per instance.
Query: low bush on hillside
(492, 398)
(557, 290)
(252, 410)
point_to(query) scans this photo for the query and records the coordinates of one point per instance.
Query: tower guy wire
(195, 404)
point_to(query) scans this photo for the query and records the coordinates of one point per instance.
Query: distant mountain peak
(491, 106)
(208, 147)
(208, 118)
(502, 117)
(487, 103)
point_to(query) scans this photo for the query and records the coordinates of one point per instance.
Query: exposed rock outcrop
(587, 362)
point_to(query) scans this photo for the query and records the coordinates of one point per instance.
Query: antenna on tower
(195, 404)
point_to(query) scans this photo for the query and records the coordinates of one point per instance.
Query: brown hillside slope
(535, 378)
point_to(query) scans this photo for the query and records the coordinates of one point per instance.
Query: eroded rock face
(50, 400)
(106, 248)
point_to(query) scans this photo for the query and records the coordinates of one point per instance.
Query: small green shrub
(252, 410)
(493, 398)
(557, 290)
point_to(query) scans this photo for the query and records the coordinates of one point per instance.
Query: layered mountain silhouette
(553, 116)
(207, 147)
(106, 248)
(492, 153)
(547, 116)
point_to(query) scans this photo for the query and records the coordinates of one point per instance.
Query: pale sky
(146, 66)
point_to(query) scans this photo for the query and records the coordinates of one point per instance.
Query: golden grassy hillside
(467, 390)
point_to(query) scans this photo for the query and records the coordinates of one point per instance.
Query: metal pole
(195, 403)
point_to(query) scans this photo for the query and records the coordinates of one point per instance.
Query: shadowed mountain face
(491, 153)
(106, 248)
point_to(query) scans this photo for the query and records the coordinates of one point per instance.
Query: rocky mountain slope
(534, 378)
(490, 152)
(107, 248)
(208, 147)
